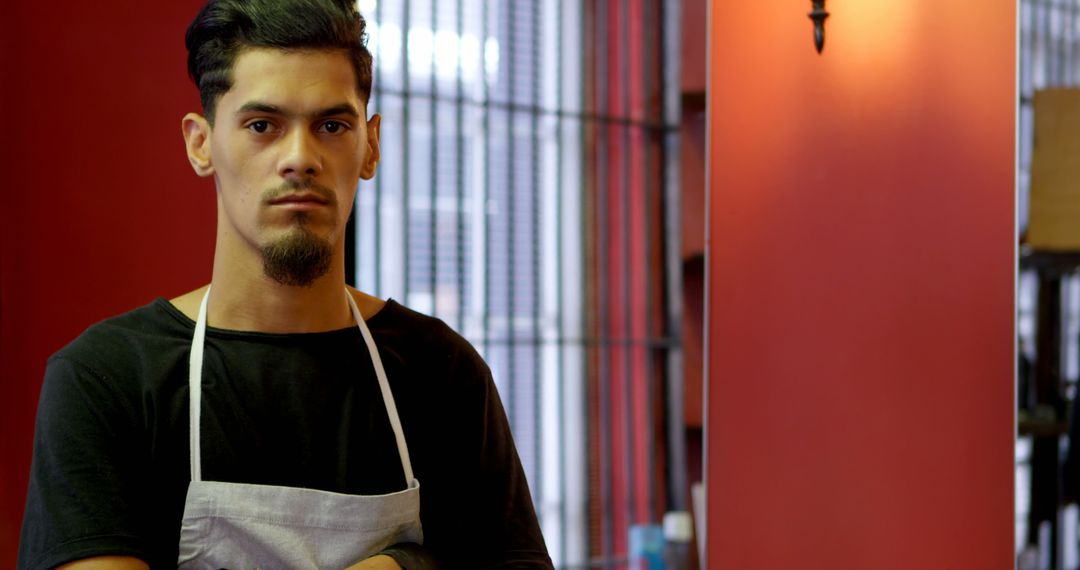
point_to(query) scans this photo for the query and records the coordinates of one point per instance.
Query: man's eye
(333, 127)
(259, 126)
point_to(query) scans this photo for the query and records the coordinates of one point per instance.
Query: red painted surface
(861, 286)
(693, 38)
(101, 212)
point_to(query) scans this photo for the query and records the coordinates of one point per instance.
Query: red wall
(101, 212)
(860, 407)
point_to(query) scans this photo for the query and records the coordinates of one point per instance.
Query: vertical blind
(521, 198)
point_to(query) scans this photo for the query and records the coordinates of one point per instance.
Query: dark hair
(224, 28)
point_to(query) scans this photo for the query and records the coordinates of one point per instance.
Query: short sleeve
(502, 479)
(479, 478)
(86, 478)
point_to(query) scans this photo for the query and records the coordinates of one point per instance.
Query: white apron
(240, 526)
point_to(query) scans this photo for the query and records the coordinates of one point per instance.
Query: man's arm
(410, 556)
(473, 470)
(505, 492)
(81, 503)
(106, 563)
(377, 562)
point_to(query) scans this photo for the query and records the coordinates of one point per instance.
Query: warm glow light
(877, 40)
(883, 29)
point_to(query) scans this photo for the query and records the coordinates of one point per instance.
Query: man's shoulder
(138, 331)
(425, 340)
(398, 323)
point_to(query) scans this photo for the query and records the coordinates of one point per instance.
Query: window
(492, 210)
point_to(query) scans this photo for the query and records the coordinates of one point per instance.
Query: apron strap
(195, 390)
(384, 385)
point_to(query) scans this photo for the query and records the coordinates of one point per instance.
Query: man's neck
(245, 299)
(258, 303)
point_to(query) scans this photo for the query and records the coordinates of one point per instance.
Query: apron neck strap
(195, 363)
(384, 386)
(195, 390)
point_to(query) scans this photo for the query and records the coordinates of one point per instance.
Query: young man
(276, 418)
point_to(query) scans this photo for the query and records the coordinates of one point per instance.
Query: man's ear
(197, 140)
(373, 148)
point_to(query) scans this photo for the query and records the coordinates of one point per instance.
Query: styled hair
(224, 28)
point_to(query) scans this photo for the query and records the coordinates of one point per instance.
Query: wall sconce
(818, 15)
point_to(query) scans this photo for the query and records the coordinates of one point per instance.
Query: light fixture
(818, 15)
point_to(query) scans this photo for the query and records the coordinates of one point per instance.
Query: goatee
(297, 259)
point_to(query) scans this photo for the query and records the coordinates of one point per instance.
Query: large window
(520, 205)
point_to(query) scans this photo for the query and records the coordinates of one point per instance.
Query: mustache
(293, 186)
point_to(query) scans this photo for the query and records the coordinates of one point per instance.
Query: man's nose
(300, 156)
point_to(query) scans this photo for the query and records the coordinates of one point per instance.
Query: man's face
(288, 146)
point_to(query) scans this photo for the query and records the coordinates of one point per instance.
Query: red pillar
(861, 277)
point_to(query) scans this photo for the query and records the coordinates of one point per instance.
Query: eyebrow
(335, 110)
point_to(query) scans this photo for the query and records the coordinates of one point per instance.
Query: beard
(297, 259)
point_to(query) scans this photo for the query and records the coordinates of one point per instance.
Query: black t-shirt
(111, 464)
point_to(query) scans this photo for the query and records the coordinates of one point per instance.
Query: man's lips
(300, 198)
